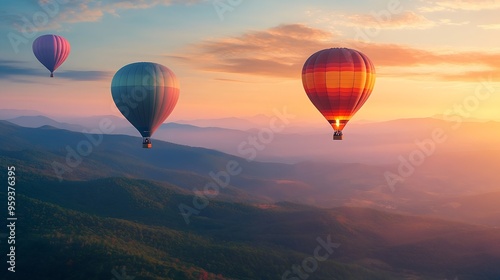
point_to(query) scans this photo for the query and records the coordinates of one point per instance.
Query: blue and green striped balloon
(145, 93)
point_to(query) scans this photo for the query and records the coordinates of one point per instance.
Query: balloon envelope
(51, 51)
(338, 82)
(145, 93)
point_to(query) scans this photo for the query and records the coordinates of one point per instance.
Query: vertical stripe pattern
(51, 51)
(338, 82)
(145, 93)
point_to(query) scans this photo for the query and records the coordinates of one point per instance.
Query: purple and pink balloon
(51, 51)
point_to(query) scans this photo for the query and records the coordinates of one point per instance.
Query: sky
(240, 58)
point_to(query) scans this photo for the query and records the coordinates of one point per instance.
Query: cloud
(10, 68)
(489, 26)
(392, 56)
(92, 10)
(15, 71)
(77, 75)
(463, 5)
(230, 80)
(447, 21)
(53, 14)
(400, 55)
(277, 51)
(381, 20)
(403, 20)
(8, 18)
(282, 50)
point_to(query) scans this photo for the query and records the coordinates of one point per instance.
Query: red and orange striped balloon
(338, 82)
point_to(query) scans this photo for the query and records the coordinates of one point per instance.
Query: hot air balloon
(338, 82)
(146, 94)
(51, 51)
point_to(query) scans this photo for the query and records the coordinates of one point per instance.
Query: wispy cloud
(230, 80)
(489, 26)
(62, 12)
(475, 64)
(277, 51)
(9, 68)
(282, 50)
(401, 55)
(15, 71)
(447, 21)
(403, 20)
(464, 5)
(80, 75)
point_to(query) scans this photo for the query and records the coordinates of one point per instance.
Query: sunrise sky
(242, 58)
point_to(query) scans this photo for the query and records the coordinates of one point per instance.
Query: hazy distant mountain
(94, 121)
(14, 113)
(478, 209)
(230, 123)
(118, 205)
(371, 143)
(38, 121)
(442, 180)
(28, 118)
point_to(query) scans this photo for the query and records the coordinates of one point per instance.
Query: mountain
(371, 143)
(136, 223)
(480, 208)
(83, 246)
(442, 180)
(93, 121)
(229, 123)
(38, 121)
(14, 113)
(368, 143)
(94, 206)
(215, 138)
(374, 143)
(90, 156)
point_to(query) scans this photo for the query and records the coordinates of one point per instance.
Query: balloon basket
(337, 137)
(146, 143)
